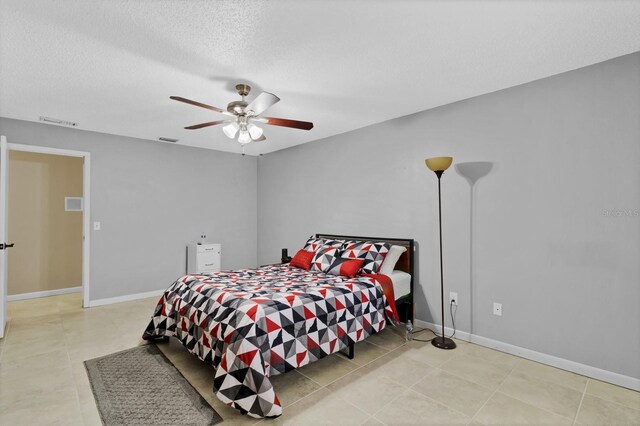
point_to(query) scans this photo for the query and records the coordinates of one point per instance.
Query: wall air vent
(168, 140)
(58, 121)
(73, 204)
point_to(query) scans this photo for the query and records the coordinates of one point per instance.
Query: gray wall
(564, 149)
(153, 198)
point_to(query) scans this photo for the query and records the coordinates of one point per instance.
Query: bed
(251, 324)
(404, 272)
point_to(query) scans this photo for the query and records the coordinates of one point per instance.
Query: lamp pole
(438, 165)
(441, 342)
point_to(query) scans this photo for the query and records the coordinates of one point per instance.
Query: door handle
(6, 246)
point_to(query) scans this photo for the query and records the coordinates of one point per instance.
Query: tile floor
(43, 380)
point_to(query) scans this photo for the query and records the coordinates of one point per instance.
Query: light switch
(96, 226)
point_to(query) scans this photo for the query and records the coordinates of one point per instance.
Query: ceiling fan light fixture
(231, 129)
(242, 113)
(254, 131)
(244, 137)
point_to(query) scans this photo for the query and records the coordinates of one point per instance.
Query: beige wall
(48, 240)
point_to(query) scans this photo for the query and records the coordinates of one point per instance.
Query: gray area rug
(140, 386)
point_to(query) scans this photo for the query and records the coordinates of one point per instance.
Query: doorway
(10, 149)
(45, 224)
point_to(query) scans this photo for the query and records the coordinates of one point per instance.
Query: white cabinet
(203, 258)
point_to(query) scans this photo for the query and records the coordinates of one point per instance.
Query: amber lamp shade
(438, 164)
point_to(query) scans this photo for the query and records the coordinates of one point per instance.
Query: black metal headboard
(405, 263)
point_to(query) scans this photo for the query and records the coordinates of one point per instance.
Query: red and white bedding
(251, 324)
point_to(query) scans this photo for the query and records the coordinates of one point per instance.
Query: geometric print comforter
(252, 324)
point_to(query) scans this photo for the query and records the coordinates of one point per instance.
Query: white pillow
(391, 259)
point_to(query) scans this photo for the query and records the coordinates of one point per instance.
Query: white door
(4, 163)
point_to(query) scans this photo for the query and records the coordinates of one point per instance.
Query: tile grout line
(407, 388)
(492, 395)
(307, 377)
(389, 403)
(620, 404)
(455, 374)
(584, 392)
(535, 406)
(520, 400)
(358, 408)
(551, 381)
(374, 418)
(483, 405)
(531, 404)
(66, 348)
(306, 396)
(75, 384)
(442, 403)
(358, 367)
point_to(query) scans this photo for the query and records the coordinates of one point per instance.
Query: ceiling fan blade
(198, 104)
(263, 101)
(284, 122)
(207, 124)
(260, 139)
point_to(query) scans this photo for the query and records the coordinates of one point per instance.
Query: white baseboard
(46, 293)
(127, 298)
(554, 361)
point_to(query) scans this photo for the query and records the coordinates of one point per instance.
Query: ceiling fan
(242, 126)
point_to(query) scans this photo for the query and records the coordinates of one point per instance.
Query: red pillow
(346, 267)
(302, 259)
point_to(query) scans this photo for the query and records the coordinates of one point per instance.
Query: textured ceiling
(112, 65)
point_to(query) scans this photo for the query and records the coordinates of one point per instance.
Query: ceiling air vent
(168, 140)
(58, 121)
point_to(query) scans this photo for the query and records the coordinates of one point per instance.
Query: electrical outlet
(453, 297)
(497, 309)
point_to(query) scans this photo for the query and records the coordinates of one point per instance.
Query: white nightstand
(203, 258)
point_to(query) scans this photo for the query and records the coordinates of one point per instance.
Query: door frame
(4, 151)
(86, 211)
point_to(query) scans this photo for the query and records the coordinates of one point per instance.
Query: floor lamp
(439, 165)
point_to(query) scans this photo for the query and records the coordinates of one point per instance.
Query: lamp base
(443, 342)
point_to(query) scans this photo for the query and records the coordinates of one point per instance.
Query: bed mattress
(401, 283)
